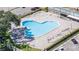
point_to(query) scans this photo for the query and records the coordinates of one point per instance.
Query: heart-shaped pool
(38, 29)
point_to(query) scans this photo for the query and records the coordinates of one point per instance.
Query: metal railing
(67, 11)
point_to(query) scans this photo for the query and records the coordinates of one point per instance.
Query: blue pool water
(38, 29)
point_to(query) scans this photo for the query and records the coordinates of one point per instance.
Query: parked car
(35, 8)
(74, 41)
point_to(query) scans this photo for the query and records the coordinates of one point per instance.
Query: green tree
(5, 19)
(12, 18)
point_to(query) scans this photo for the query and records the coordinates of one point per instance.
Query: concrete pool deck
(66, 27)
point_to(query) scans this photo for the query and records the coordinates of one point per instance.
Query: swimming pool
(37, 29)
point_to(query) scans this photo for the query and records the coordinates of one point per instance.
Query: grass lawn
(26, 48)
(31, 49)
